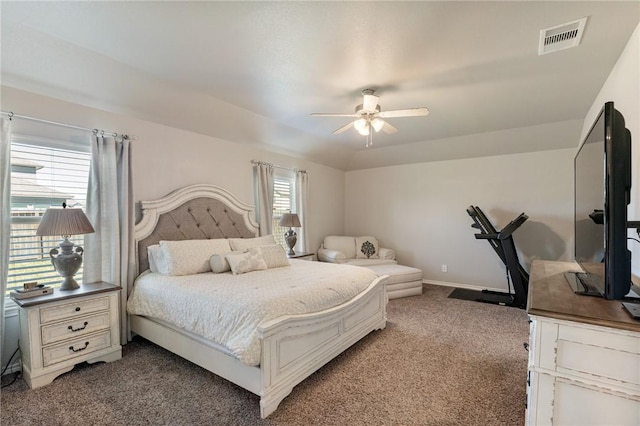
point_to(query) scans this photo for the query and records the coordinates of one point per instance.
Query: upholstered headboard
(192, 213)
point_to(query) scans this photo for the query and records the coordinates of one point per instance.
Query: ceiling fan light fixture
(377, 124)
(361, 126)
(368, 117)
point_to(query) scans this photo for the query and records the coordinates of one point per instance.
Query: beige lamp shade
(64, 222)
(290, 220)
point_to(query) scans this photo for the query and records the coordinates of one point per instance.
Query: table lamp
(67, 257)
(292, 221)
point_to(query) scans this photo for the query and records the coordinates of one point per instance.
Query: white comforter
(227, 309)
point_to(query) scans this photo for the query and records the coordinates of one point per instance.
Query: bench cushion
(369, 262)
(397, 273)
(403, 280)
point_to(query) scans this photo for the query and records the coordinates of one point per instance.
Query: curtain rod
(277, 166)
(11, 116)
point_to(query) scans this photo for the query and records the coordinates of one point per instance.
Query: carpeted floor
(440, 361)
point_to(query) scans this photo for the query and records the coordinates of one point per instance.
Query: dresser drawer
(603, 355)
(74, 327)
(76, 348)
(74, 309)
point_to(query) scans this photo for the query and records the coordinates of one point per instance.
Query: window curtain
(109, 252)
(301, 185)
(5, 215)
(263, 183)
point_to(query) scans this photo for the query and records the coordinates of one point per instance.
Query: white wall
(419, 210)
(166, 158)
(623, 88)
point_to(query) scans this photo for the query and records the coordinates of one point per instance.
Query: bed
(291, 346)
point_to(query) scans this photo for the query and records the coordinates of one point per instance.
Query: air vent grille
(561, 37)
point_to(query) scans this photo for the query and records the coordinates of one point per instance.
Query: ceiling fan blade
(410, 112)
(388, 128)
(343, 128)
(332, 114)
(370, 103)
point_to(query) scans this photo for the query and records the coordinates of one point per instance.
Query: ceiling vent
(561, 36)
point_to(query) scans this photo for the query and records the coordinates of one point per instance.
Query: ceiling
(253, 72)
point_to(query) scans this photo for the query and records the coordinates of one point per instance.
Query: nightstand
(302, 256)
(60, 330)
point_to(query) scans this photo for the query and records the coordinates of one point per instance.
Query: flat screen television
(602, 177)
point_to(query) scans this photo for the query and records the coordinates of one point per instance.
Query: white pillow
(156, 260)
(247, 262)
(189, 257)
(387, 253)
(219, 263)
(345, 245)
(367, 248)
(243, 244)
(274, 256)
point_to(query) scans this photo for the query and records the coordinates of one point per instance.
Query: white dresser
(61, 330)
(584, 355)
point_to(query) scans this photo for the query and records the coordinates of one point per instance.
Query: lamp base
(291, 238)
(69, 283)
(67, 262)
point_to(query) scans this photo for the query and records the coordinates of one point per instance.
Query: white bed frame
(292, 347)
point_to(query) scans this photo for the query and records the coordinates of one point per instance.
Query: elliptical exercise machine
(502, 242)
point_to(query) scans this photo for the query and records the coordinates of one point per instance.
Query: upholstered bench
(403, 281)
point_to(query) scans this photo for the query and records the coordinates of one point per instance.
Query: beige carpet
(440, 361)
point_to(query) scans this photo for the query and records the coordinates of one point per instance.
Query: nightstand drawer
(75, 327)
(76, 348)
(74, 309)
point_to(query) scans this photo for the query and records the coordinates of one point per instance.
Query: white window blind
(43, 174)
(282, 203)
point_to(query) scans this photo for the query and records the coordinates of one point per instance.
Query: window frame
(277, 230)
(56, 151)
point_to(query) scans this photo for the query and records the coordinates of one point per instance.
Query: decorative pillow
(367, 248)
(219, 263)
(244, 244)
(189, 257)
(274, 256)
(246, 262)
(156, 260)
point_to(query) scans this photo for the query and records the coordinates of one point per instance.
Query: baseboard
(13, 368)
(459, 285)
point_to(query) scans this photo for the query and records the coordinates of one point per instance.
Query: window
(282, 203)
(44, 173)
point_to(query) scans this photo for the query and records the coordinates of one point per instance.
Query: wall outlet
(444, 268)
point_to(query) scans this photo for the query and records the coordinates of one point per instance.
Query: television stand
(583, 354)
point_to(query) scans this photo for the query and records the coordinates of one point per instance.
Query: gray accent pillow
(219, 262)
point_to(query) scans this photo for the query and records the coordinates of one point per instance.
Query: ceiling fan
(369, 117)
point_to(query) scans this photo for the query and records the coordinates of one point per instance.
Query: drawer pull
(78, 309)
(86, 344)
(73, 330)
(526, 346)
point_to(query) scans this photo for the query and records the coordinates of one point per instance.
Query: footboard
(294, 347)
